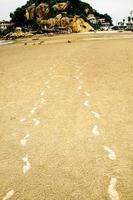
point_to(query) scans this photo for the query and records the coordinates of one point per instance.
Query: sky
(117, 9)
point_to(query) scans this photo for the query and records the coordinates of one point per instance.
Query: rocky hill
(47, 14)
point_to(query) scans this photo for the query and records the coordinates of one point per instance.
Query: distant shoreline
(86, 36)
(5, 42)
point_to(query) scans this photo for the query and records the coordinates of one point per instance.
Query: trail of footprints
(35, 122)
(113, 194)
(26, 165)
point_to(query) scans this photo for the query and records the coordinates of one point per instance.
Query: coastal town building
(92, 19)
(125, 24)
(6, 24)
(102, 21)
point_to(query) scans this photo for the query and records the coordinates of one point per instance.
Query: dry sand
(66, 113)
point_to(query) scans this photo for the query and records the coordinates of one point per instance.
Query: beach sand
(66, 113)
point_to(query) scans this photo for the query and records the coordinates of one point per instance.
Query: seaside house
(105, 26)
(6, 24)
(92, 19)
(102, 21)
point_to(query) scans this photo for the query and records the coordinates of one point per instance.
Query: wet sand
(66, 113)
(5, 42)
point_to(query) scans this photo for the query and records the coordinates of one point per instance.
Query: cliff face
(61, 6)
(42, 13)
(39, 12)
(57, 13)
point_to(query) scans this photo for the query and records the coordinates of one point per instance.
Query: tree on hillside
(74, 2)
(129, 19)
(18, 16)
(76, 7)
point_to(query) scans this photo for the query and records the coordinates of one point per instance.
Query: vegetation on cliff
(42, 10)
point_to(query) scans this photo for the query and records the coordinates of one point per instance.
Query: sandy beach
(66, 111)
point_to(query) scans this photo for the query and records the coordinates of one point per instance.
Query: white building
(4, 24)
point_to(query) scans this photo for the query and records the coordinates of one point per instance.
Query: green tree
(19, 16)
(129, 19)
(76, 7)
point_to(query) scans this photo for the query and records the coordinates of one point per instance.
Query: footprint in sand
(113, 194)
(87, 104)
(80, 87)
(87, 94)
(27, 165)
(42, 93)
(36, 121)
(8, 195)
(42, 100)
(33, 110)
(95, 131)
(96, 114)
(23, 142)
(22, 120)
(111, 153)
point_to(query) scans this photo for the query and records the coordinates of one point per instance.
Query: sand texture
(66, 110)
